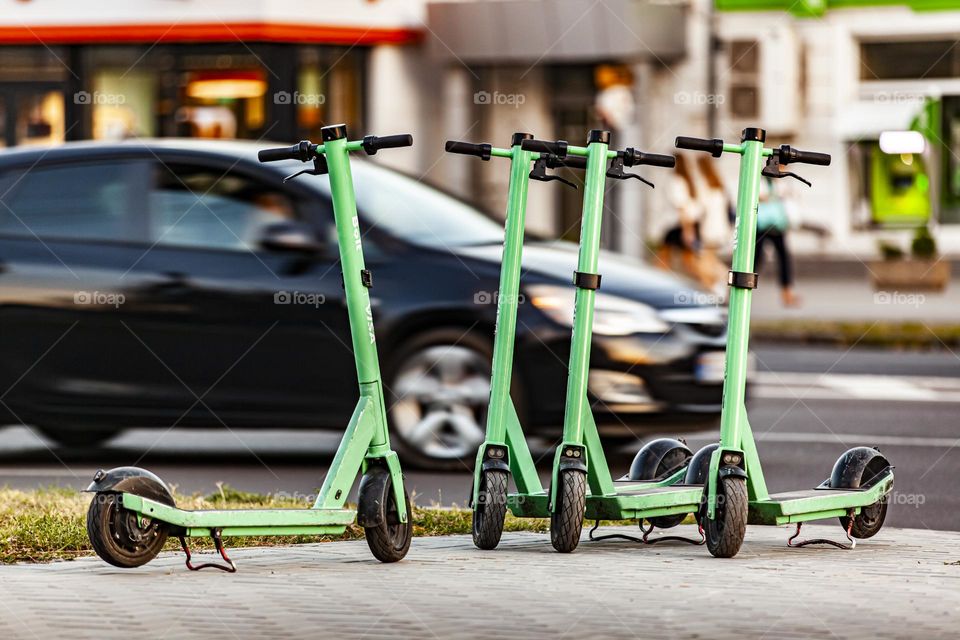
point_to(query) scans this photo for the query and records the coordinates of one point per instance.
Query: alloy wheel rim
(441, 400)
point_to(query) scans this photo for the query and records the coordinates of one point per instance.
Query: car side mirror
(290, 237)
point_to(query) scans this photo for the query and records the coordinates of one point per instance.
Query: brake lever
(539, 172)
(319, 168)
(615, 171)
(772, 170)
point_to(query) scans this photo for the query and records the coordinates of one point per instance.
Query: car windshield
(419, 213)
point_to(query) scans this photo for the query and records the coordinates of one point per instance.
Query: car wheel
(437, 390)
(77, 436)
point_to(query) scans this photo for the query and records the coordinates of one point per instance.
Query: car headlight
(613, 315)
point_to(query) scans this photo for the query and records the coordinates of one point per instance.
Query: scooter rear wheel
(118, 537)
(566, 521)
(725, 532)
(490, 509)
(389, 540)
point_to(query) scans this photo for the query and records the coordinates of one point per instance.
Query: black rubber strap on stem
(742, 279)
(586, 280)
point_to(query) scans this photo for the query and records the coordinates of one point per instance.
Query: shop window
(223, 104)
(744, 61)
(329, 89)
(123, 103)
(909, 60)
(196, 206)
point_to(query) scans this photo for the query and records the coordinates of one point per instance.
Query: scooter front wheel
(725, 532)
(118, 536)
(566, 520)
(389, 540)
(490, 509)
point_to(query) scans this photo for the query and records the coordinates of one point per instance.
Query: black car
(143, 284)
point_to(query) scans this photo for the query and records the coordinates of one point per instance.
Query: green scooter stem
(504, 446)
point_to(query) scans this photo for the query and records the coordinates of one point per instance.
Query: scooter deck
(815, 504)
(244, 522)
(629, 503)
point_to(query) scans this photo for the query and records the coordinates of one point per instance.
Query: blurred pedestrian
(684, 236)
(715, 230)
(773, 222)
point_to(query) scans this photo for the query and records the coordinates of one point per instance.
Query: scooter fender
(848, 471)
(731, 470)
(495, 465)
(373, 497)
(135, 480)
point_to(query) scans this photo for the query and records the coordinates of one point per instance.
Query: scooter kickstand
(646, 533)
(852, 543)
(218, 543)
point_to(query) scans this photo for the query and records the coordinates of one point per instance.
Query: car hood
(555, 262)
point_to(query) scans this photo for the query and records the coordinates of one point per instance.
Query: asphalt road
(809, 405)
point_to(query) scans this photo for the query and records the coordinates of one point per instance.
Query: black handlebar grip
(482, 151)
(632, 157)
(372, 144)
(571, 162)
(302, 151)
(558, 148)
(788, 155)
(713, 146)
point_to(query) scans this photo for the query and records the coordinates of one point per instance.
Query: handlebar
(787, 155)
(557, 148)
(372, 144)
(303, 151)
(571, 162)
(633, 157)
(482, 151)
(712, 146)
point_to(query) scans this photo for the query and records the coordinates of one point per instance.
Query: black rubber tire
(116, 536)
(390, 540)
(566, 521)
(490, 509)
(726, 531)
(670, 461)
(78, 437)
(870, 520)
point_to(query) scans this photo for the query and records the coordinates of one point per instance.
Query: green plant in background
(923, 247)
(890, 251)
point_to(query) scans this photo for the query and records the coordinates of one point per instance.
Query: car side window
(200, 206)
(82, 201)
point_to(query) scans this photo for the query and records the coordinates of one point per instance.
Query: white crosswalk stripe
(843, 386)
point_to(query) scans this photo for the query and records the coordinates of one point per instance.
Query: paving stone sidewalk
(897, 585)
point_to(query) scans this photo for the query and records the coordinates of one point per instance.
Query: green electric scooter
(660, 463)
(133, 512)
(861, 479)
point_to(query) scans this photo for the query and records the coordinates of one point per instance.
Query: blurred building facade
(821, 75)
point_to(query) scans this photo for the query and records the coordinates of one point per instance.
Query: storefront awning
(551, 31)
(153, 33)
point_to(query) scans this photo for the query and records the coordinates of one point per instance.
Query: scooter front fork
(490, 455)
(391, 461)
(569, 455)
(724, 461)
